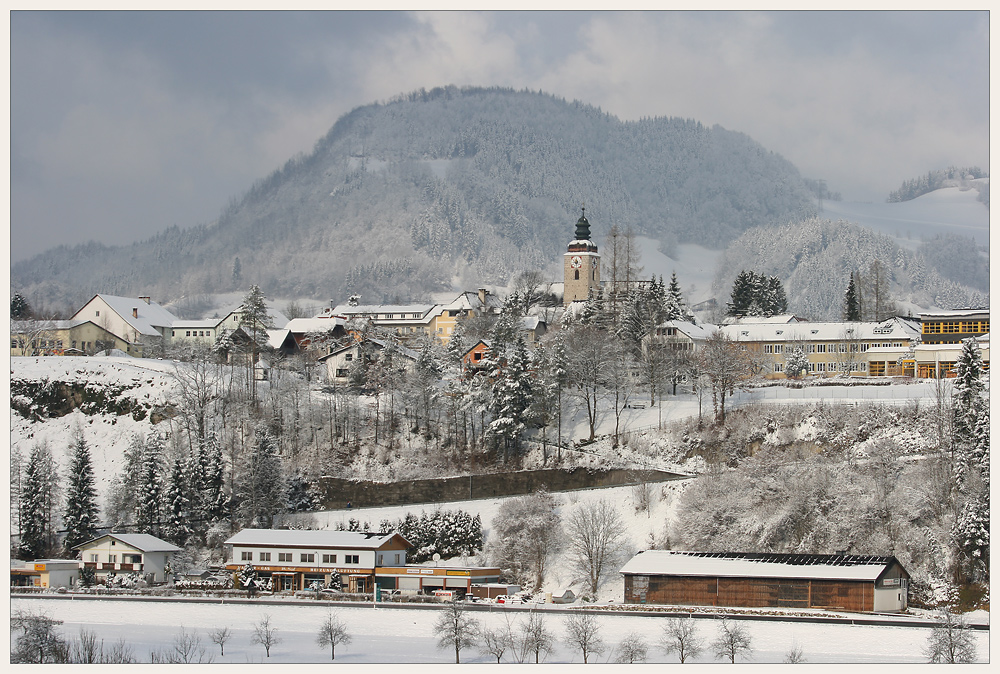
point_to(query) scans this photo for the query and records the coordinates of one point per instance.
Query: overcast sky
(123, 124)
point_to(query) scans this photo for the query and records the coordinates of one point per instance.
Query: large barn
(839, 582)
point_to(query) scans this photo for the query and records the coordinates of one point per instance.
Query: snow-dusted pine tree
(178, 529)
(81, 517)
(149, 497)
(38, 498)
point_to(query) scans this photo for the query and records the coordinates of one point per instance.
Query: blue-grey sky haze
(123, 124)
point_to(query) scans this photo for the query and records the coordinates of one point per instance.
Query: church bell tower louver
(581, 264)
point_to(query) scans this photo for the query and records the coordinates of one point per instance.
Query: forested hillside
(815, 258)
(405, 197)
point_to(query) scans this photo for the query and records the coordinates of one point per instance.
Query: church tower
(581, 264)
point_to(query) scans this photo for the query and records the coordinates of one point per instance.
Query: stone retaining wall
(336, 493)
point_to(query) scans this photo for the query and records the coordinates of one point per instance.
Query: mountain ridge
(397, 195)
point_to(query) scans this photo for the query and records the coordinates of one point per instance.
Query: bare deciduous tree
(265, 634)
(497, 641)
(456, 630)
(583, 632)
(185, 649)
(532, 639)
(732, 642)
(794, 656)
(680, 636)
(221, 635)
(332, 633)
(596, 540)
(633, 648)
(951, 640)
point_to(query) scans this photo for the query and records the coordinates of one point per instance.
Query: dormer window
(745, 333)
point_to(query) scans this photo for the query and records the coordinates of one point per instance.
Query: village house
(340, 361)
(143, 325)
(114, 554)
(61, 338)
(680, 335)
(859, 583)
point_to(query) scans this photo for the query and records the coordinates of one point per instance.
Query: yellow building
(951, 327)
(61, 338)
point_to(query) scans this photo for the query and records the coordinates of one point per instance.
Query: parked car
(508, 599)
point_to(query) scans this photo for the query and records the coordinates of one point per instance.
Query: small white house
(128, 553)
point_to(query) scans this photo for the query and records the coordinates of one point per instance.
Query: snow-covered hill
(951, 210)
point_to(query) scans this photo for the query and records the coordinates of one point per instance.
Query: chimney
(144, 299)
(482, 295)
(135, 312)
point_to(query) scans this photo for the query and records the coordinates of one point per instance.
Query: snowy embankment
(147, 381)
(396, 635)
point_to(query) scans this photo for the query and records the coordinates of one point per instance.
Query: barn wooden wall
(750, 592)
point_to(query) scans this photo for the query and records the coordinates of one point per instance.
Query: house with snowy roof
(113, 554)
(369, 350)
(143, 325)
(294, 558)
(61, 337)
(857, 583)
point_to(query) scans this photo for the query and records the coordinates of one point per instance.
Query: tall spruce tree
(149, 498)
(254, 319)
(852, 304)
(81, 517)
(261, 487)
(37, 505)
(178, 529)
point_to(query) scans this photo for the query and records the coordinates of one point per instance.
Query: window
(173, 333)
(305, 557)
(246, 556)
(97, 313)
(477, 356)
(265, 556)
(348, 357)
(341, 372)
(768, 348)
(132, 559)
(284, 556)
(113, 559)
(777, 367)
(821, 367)
(188, 333)
(811, 348)
(779, 348)
(351, 559)
(821, 348)
(93, 557)
(397, 558)
(576, 275)
(329, 559)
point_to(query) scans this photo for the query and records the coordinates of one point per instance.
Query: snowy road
(390, 635)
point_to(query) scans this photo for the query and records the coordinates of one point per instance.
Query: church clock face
(575, 262)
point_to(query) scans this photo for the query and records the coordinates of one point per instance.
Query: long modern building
(836, 582)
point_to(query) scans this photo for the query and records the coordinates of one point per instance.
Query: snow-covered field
(949, 210)
(406, 635)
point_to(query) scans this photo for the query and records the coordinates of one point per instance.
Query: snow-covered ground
(406, 635)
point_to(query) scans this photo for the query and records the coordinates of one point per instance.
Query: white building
(294, 558)
(128, 553)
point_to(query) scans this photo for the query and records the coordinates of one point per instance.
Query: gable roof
(325, 538)
(699, 332)
(143, 542)
(151, 319)
(759, 565)
(380, 343)
(304, 325)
